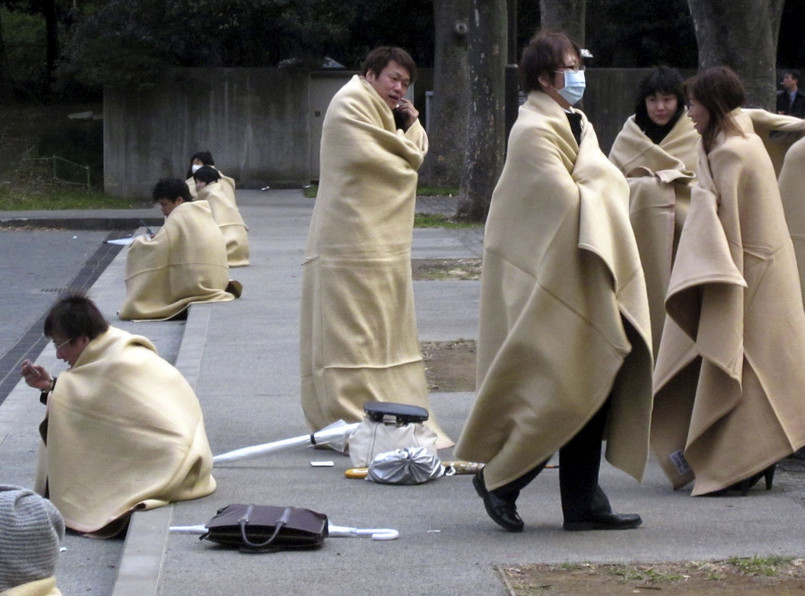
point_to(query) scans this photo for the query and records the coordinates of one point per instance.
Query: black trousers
(579, 464)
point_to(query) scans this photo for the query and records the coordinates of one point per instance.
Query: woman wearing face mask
(656, 151)
(564, 356)
(730, 370)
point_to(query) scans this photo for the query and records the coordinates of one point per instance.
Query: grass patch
(767, 566)
(14, 198)
(310, 191)
(435, 191)
(437, 220)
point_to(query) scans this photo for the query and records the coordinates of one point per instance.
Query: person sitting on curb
(31, 532)
(210, 188)
(184, 263)
(123, 430)
(204, 158)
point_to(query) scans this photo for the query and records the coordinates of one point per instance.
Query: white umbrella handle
(375, 533)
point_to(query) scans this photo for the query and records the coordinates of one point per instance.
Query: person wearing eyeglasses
(358, 332)
(123, 429)
(564, 348)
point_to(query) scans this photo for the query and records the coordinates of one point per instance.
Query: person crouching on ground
(226, 214)
(123, 429)
(183, 264)
(564, 349)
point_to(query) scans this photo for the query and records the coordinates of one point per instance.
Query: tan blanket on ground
(777, 131)
(226, 214)
(41, 587)
(564, 317)
(660, 177)
(125, 431)
(358, 337)
(227, 183)
(184, 263)
(792, 192)
(731, 404)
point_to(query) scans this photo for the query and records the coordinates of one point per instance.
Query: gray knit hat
(31, 531)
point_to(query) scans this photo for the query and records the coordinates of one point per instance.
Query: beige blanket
(730, 404)
(227, 183)
(125, 431)
(564, 319)
(660, 177)
(184, 263)
(777, 131)
(792, 191)
(226, 214)
(41, 587)
(358, 326)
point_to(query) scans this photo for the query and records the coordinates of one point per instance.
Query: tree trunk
(447, 120)
(484, 155)
(564, 15)
(741, 34)
(6, 89)
(52, 34)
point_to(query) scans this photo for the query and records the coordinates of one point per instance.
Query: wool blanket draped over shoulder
(731, 366)
(227, 183)
(226, 214)
(660, 177)
(125, 431)
(40, 587)
(792, 192)
(358, 336)
(183, 264)
(564, 320)
(777, 131)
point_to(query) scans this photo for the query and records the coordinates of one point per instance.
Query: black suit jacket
(796, 109)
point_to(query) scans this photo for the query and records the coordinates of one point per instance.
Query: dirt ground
(716, 578)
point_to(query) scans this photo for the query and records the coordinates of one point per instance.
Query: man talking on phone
(358, 336)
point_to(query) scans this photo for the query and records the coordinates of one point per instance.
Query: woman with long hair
(731, 364)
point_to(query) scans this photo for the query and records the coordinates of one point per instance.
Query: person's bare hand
(408, 112)
(36, 376)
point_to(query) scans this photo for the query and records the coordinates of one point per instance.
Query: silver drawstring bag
(410, 465)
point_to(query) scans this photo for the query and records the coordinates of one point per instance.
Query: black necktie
(575, 125)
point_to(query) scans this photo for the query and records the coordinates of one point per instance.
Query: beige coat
(792, 191)
(226, 214)
(358, 338)
(731, 365)
(564, 317)
(660, 177)
(125, 431)
(183, 264)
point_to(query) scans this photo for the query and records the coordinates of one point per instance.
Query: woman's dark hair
(378, 59)
(205, 157)
(171, 189)
(719, 91)
(74, 315)
(666, 81)
(545, 53)
(207, 174)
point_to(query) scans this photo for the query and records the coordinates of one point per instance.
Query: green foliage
(765, 566)
(24, 37)
(131, 43)
(437, 220)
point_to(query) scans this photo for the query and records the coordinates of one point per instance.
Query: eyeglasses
(62, 344)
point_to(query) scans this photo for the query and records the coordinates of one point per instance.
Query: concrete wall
(263, 125)
(253, 120)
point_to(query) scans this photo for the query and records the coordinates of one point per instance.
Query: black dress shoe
(502, 512)
(605, 521)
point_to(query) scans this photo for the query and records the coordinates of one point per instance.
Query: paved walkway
(242, 358)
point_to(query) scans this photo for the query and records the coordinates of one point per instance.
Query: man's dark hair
(172, 189)
(207, 174)
(794, 75)
(545, 53)
(205, 157)
(378, 59)
(74, 315)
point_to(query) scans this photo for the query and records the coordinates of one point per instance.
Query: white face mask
(194, 168)
(574, 87)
